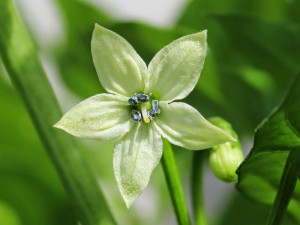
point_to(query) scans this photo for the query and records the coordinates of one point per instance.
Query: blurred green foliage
(260, 174)
(254, 54)
(30, 188)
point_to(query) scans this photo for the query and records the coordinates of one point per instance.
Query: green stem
(174, 185)
(286, 189)
(197, 188)
(21, 61)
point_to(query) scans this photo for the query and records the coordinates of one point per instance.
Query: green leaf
(8, 215)
(22, 64)
(23, 187)
(195, 14)
(278, 136)
(285, 192)
(242, 211)
(278, 42)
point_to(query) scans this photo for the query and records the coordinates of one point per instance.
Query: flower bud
(224, 159)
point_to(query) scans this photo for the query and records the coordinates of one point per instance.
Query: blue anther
(143, 97)
(151, 116)
(154, 108)
(133, 100)
(136, 115)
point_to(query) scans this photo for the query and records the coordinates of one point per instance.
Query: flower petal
(174, 71)
(184, 126)
(135, 157)
(103, 116)
(120, 69)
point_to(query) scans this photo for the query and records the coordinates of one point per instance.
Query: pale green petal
(184, 126)
(175, 69)
(103, 116)
(135, 157)
(120, 69)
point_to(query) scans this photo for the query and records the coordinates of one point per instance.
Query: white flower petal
(184, 126)
(135, 157)
(120, 69)
(103, 116)
(174, 71)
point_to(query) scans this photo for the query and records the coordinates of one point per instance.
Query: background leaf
(23, 187)
(259, 175)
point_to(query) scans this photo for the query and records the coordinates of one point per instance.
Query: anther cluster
(139, 102)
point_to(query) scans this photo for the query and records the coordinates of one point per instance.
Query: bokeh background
(254, 51)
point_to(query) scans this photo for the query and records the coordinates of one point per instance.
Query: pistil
(145, 113)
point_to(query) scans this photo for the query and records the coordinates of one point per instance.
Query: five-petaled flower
(139, 108)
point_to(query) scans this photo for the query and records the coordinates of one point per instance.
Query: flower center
(142, 108)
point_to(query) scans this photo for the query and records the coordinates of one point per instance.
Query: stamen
(142, 109)
(145, 114)
(133, 100)
(143, 97)
(151, 116)
(136, 115)
(154, 108)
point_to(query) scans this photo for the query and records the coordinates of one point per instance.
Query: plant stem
(197, 188)
(21, 61)
(174, 185)
(286, 189)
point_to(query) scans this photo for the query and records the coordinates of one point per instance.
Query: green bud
(224, 159)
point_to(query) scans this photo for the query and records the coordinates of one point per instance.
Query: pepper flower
(139, 108)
